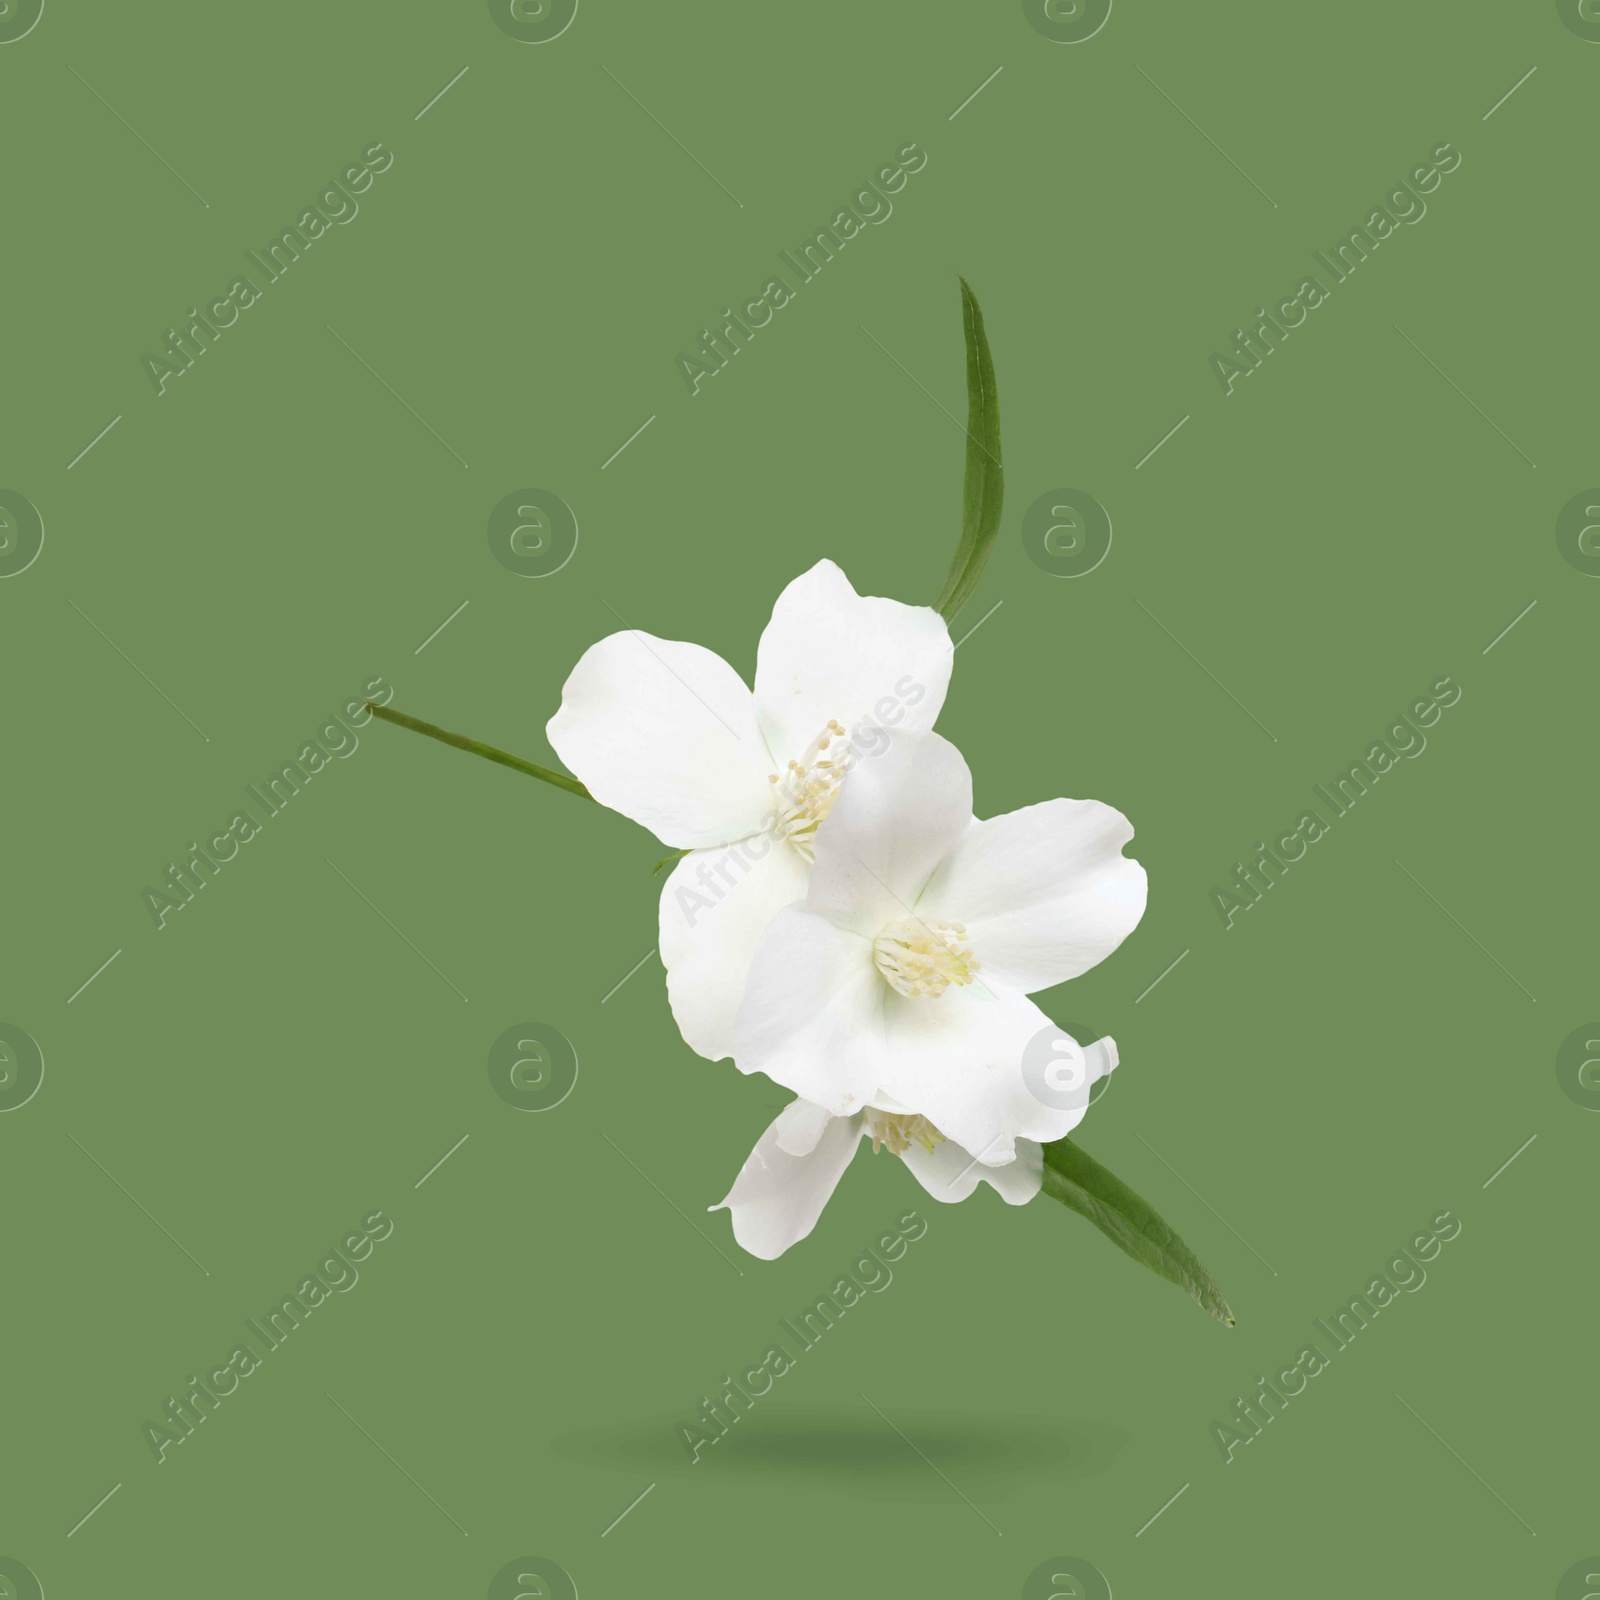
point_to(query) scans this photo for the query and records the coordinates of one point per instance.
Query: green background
(278, 527)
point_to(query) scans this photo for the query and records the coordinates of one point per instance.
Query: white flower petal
(1045, 892)
(1102, 1057)
(665, 733)
(948, 1173)
(714, 908)
(812, 1017)
(1019, 1181)
(897, 817)
(800, 1126)
(831, 654)
(958, 1060)
(777, 1197)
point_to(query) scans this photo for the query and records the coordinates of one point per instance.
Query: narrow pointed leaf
(1079, 1182)
(478, 748)
(983, 487)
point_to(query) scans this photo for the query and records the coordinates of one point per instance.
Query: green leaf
(984, 486)
(1079, 1182)
(669, 861)
(477, 747)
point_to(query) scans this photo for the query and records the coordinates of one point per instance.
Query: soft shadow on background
(854, 1451)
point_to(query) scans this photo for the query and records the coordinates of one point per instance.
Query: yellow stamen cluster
(898, 1131)
(804, 794)
(921, 959)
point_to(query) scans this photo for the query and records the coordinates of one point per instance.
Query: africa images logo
(334, 204)
(1402, 205)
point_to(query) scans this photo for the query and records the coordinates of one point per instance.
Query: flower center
(922, 959)
(804, 794)
(900, 1130)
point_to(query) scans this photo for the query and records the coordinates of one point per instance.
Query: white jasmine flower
(781, 1190)
(668, 734)
(902, 980)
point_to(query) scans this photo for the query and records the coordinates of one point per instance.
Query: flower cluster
(866, 942)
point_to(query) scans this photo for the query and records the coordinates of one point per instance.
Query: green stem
(487, 751)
